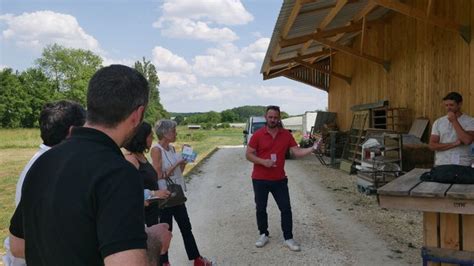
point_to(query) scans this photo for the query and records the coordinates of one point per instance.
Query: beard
(130, 135)
(272, 124)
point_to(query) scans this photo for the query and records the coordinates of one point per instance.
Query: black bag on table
(450, 174)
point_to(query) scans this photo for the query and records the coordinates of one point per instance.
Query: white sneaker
(262, 241)
(292, 245)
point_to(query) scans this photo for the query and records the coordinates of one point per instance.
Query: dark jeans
(181, 217)
(279, 190)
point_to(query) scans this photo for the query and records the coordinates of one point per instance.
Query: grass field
(17, 146)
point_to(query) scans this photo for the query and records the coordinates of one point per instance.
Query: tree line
(60, 74)
(63, 74)
(234, 115)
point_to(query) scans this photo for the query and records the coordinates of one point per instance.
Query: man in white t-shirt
(56, 120)
(452, 134)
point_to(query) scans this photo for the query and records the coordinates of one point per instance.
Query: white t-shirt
(459, 155)
(9, 259)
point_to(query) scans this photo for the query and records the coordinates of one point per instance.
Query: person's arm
(119, 216)
(158, 241)
(128, 257)
(300, 152)
(17, 238)
(434, 144)
(251, 155)
(156, 161)
(170, 171)
(17, 246)
(466, 137)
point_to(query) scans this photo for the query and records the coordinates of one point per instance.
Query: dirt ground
(335, 224)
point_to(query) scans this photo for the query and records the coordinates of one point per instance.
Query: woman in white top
(169, 164)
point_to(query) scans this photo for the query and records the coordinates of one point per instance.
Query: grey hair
(164, 126)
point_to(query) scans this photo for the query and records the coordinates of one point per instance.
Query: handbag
(176, 196)
(450, 174)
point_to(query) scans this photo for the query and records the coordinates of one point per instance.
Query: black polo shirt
(81, 201)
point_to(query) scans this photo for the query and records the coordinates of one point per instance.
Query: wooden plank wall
(427, 62)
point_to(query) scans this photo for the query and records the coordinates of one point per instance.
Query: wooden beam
(364, 11)
(322, 34)
(419, 14)
(291, 19)
(363, 35)
(280, 72)
(347, 79)
(428, 8)
(316, 10)
(332, 14)
(354, 52)
(326, 21)
(306, 56)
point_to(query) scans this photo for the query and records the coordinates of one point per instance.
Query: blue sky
(208, 53)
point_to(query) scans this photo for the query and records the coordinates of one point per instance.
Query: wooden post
(431, 231)
(468, 232)
(449, 232)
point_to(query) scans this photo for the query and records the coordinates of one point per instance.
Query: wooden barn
(375, 55)
(407, 53)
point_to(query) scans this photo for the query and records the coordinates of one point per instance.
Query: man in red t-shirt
(267, 149)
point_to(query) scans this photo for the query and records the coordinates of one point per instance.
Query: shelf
(378, 161)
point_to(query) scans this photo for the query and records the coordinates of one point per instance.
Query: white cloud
(205, 97)
(192, 19)
(225, 12)
(227, 60)
(2, 67)
(38, 29)
(106, 61)
(176, 80)
(166, 60)
(189, 29)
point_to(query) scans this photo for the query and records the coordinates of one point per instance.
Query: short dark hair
(138, 142)
(454, 96)
(57, 117)
(273, 107)
(114, 93)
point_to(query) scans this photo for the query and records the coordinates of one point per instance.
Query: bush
(207, 126)
(195, 136)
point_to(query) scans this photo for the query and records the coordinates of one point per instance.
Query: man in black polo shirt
(82, 202)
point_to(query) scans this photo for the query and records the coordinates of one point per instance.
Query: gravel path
(334, 224)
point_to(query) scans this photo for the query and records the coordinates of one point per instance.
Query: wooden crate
(448, 231)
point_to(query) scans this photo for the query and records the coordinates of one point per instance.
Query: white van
(253, 124)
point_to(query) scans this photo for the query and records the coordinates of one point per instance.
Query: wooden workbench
(448, 209)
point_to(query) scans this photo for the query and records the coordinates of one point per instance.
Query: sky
(208, 53)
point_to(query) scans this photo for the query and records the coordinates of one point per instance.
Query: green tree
(212, 117)
(70, 70)
(155, 110)
(179, 119)
(40, 90)
(14, 103)
(229, 116)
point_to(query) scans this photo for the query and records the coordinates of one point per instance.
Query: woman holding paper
(136, 149)
(169, 164)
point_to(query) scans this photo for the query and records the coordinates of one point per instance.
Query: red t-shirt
(265, 145)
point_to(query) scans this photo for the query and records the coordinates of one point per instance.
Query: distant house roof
(194, 126)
